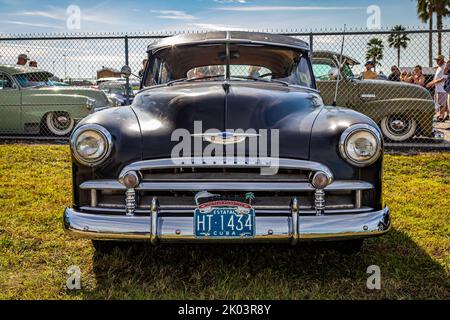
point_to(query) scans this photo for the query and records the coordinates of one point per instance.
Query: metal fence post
(127, 84)
(311, 41)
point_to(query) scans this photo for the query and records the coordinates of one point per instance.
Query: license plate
(224, 219)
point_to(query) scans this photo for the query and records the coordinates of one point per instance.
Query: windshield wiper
(194, 79)
(261, 79)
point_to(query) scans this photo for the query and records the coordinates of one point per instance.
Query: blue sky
(26, 16)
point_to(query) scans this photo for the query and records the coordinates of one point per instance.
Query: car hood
(63, 95)
(382, 89)
(226, 106)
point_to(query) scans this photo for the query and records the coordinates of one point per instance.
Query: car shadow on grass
(309, 271)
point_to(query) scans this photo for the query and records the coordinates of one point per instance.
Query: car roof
(330, 54)
(229, 37)
(16, 69)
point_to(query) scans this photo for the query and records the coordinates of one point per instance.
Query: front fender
(324, 148)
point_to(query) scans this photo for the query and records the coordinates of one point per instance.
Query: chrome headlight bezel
(357, 128)
(100, 131)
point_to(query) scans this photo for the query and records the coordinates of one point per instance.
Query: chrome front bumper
(274, 228)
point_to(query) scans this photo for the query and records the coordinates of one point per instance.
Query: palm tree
(398, 39)
(425, 11)
(442, 9)
(375, 51)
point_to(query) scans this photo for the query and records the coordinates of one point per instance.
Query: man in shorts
(440, 96)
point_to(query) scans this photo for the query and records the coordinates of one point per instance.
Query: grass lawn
(35, 253)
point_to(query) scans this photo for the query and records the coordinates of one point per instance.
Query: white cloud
(174, 15)
(60, 14)
(286, 8)
(230, 1)
(44, 14)
(30, 24)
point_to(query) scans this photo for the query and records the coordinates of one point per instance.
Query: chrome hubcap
(61, 122)
(399, 126)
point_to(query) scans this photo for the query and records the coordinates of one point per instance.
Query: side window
(304, 73)
(153, 66)
(163, 74)
(5, 82)
(323, 70)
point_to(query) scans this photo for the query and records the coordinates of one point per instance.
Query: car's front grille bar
(339, 185)
(178, 176)
(233, 162)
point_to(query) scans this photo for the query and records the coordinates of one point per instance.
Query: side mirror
(126, 71)
(333, 73)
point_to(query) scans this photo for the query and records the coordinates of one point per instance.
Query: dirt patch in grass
(35, 253)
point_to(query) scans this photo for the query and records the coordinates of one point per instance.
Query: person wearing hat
(22, 60)
(368, 74)
(440, 96)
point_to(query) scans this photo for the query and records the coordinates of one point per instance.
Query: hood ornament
(226, 137)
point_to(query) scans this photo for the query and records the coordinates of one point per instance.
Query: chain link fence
(63, 78)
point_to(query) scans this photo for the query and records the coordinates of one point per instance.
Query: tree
(398, 39)
(425, 10)
(425, 13)
(375, 51)
(442, 9)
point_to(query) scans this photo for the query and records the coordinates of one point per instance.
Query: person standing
(368, 74)
(395, 74)
(22, 60)
(440, 96)
(447, 83)
(418, 77)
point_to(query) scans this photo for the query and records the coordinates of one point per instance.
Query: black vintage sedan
(228, 141)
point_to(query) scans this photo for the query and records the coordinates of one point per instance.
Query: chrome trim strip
(268, 228)
(154, 221)
(189, 210)
(156, 47)
(294, 218)
(226, 186)
(106, 226)
(344, 226)
(237, 162)
(358, 199)
(94, 200)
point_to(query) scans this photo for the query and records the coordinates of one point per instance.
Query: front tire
(59, 123)
(398, 128)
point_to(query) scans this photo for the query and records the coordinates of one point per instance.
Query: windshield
(37, 79)
(247, 62)
(323, 70)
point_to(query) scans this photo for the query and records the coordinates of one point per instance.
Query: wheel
(59, 123)
(398, 128)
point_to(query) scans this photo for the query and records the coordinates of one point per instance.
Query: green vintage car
(402, 110)
(31, 104)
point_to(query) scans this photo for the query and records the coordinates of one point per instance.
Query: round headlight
(91, 144)
(360, 145)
